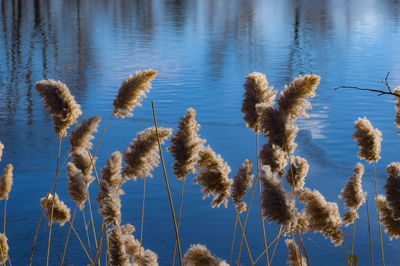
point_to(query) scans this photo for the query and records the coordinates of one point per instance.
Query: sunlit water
(202, 50)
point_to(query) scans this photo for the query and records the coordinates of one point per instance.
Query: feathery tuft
(131, 92)
(199, 255)
(82, 135)
(185, 145)
(300, 171)
(142, 154)
(60, 104)
(242, 181)
(256, 91)
(1, 150)
(275, 157)
(213, 177)
(276, 204)
(322, 216)
(397, 107)
(77, 187)
(6, 182)
(392, 188)
(369, 140)
(61, 212)
(293, 257)
(3, 249)
(350, 216)
(82, 160)
(392, 226)
(352, 193)
(116, 248)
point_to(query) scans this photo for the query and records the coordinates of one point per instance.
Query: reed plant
(280, 176)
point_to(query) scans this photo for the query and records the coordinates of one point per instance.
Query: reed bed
(280, 175)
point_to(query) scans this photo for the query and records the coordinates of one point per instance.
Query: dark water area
(203, 50)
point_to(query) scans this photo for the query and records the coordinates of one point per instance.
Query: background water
(202, 50)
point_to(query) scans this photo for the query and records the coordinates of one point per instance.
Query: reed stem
(369, 234)
(98, 249)
(52, 206)
(377, 210)
(179, 218)
(141, 226)
(167, 185)
(233, 241)
(80, 241)
(5, 214)
(87, 233)
(276, 243)
(352, 237)
(69, 231)
(91, 218)
(303, 248)
(344, 255)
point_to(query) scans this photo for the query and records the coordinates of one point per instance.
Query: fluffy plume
(397, 107)
(369, 140)
(61, 212)
(392, 227)
(142, 154)
(291, 100)
(322, 216)
(82, 135)
(276, 205)
(116, 249)
(256, 91)
(278, 127)
(60, 104)
(275, 157)
(77, 187)
(199, 255)
(185, 145)
(352, 193)
(131, 92)
(109, 192)
(3, 249)
(350, 216)
(242, 181)
(392, 188)
(1, 150)
(81, 159)
(6, 181)
(213, 177)
(299, 170)
(293, 257)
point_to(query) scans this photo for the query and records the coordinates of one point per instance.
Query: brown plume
(392, 226)
(61, 212)
(199, 255)
(242, 181)
(369, 140)
(293, 257)
(82, 135)
(299, 170)
(6, 182)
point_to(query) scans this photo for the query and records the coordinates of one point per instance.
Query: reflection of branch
(380, 92)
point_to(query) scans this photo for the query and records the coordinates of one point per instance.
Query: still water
(202, 50)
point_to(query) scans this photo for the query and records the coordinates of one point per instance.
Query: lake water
(203, 50)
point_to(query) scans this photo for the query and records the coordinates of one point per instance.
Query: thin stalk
(87, 233)
(5, 212)
(69, 231)
(298, 255)
(91, 219)
(304, 249)
(344, 255)
(276, 243)
(369, 235)
(43, 209)
(141, 226)
(352, 238)
(270, 244)
(98, 249)
(166, 183)
(179, 217)
(259, 194)
(83, 246)
(52, 206)
(233, 241)
(377, 210)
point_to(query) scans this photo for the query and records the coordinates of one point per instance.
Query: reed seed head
(186, 145)
(352, 193)
(275, 157)
(350, 216)
(143, 155)
(82, 135)
(293, 256)
(322, 216)
(61, 213)
(3, 249)
(242, 181)
(213, 177)
(256, 91)
(392, 188)
(369, 140)
(111, 172)
(299, 169)
(77, 187)
(60, 104)
(6, 182)
(116, 249)
(1, 150)
(392, 226)
(81, 159)
(397, 107)
(275, 202)
(131, 92)
(292, 100)
(199, 255)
